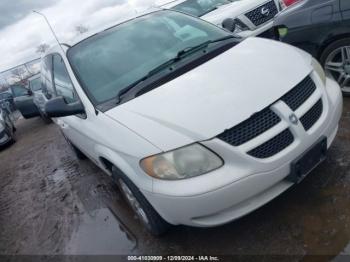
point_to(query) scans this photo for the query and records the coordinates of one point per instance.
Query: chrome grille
(263, 14)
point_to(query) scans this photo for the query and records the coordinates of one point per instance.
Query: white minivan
(242, 17)
(196, 126)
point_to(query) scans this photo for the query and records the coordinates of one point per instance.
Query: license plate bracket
(303, 165)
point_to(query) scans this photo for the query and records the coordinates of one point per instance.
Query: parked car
(322, 28)
(287, 3)
(39, 98)
(6, 97)
(7, 128)
(23, 100)
(196, 126)
(244, 18)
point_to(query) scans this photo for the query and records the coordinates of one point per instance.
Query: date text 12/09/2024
(173, 258)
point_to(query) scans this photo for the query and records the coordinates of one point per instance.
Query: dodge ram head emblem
(293, 119)
(265, 11)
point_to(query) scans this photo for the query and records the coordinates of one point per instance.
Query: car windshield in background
(19, 90)
(4, 96)
(114, 59)
(35, 84)
(200, 7)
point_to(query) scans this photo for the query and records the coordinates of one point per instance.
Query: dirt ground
(51, 204)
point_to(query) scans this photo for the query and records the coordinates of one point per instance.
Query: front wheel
(147, 215)
(336, 61)
(47, 120)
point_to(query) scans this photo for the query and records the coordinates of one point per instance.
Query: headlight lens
(182, 163)
(234, 25)
(240, 26)
(319, 70)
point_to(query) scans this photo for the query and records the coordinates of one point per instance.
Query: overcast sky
(21, 31)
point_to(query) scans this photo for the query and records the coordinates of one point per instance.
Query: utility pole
(48, 23)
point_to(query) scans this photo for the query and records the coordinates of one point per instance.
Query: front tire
(47, 120)
(336, 61)
(147, 215)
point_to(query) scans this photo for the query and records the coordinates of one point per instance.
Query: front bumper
(257, 31)
(243, 184)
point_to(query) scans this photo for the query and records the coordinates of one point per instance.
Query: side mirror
(58, 107)
(29, 92)
(229, 24)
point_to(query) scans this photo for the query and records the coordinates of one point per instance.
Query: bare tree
(81, 29)
(42, 48)
(19, 74)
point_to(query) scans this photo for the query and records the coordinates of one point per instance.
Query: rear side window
(46, 76)
(63, 83)
(35, 84)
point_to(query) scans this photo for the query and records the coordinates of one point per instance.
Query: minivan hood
(216, 95)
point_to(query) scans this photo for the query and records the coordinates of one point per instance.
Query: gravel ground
(53, 204)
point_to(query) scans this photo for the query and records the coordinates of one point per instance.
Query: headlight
(240, 26)
(319, 70)
(182, 163)
(234, 25)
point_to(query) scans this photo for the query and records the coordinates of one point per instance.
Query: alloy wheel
(337, 66)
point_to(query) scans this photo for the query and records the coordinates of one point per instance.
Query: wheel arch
(330, 41)
(108, 158)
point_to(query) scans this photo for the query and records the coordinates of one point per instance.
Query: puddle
(100, 233)
(346, 251)
(343, 256)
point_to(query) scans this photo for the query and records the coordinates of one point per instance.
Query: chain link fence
(19, 74)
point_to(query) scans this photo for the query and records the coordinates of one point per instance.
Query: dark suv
(322, 28)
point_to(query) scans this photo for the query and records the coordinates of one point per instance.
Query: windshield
(114, 59)
(200, 7)
(35, 84)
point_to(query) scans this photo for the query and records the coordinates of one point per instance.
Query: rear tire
(80, 155)
(147, 215)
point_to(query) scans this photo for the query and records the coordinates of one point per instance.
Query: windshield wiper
(179, 56)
